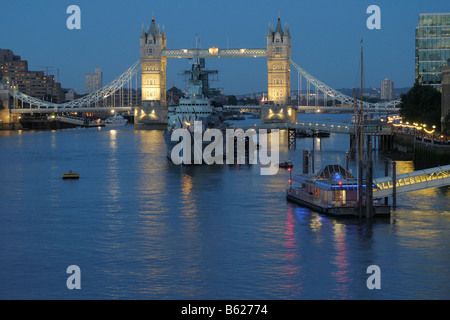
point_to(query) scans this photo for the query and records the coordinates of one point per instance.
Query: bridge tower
(278, 76)
(153, 110)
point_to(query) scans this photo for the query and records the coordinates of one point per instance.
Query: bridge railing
(338, 95)
(413, 181)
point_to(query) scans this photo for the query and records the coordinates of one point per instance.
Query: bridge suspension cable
(336, 94)
(90, 99)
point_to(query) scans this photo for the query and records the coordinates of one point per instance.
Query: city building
(70, 94)
(445, 96)
(387, 89)
(94, 81)
(33, 83)
(432, 48)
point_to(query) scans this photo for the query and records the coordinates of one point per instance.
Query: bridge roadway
(412, 181)
(374, 109)
(245, 108)
(67, 109)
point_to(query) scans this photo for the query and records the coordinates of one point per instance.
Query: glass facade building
(432, 47)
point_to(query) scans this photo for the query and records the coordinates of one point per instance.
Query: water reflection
(342, 276)
(292, 268)
(113, 172)
(145, 228)
(187, 197)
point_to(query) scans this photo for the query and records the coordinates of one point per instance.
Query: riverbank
(424, 153)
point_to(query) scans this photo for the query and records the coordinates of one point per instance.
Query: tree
(421, 104)
(232, 100)
(446, 124)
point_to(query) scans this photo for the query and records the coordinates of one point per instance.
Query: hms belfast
(194, 108)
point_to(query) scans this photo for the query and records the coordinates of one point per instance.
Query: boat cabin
(332, 185)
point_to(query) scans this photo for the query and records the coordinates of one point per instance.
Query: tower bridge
(149, 76)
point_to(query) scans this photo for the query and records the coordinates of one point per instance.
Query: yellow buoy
(70, 175)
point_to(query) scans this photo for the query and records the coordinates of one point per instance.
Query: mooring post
(369, 179)
(305, 162)
(347, 160)
(386, 173)
(360, 188)
(394, 184)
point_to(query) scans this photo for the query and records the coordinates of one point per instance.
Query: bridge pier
(386, 142)
(275, 113)
(152, 115)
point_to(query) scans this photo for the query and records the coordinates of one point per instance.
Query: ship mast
(360, 141)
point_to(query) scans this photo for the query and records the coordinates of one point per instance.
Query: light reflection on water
(140, 227)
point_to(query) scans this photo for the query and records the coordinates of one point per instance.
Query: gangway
(412, 181)
(318, 126)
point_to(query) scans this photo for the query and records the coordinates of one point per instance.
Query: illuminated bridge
(412, 181)
(121, 93)
(123, 84)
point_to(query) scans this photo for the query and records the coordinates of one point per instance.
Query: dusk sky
(325, 35)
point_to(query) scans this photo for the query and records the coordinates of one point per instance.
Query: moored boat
(333, 191)
(194, 108)
(286, 164)
(116, 121)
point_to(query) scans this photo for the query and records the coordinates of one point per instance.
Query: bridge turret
(277, 108)
(278, 64)
(153, 74)
(153, 65)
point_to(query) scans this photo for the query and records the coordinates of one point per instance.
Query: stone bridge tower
(277, 108)
(278, 64)
(153, 110)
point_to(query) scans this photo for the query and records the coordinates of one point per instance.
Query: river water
(140, 227)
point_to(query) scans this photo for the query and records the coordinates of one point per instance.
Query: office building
(432, 48)
(94, 81)
(36, 84)
(387, 89)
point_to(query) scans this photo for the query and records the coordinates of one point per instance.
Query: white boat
(116, 121)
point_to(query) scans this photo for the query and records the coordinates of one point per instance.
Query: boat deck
(334, 207)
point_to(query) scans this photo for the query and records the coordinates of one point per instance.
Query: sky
(326, 37)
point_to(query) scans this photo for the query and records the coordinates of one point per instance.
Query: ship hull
(194, 146)
(342, 211)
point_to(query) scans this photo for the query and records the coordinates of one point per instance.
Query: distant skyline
(325, 35)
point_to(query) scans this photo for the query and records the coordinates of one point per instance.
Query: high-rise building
(94, 81)
(432, 47)
(36, 84)
(445, 102)
(387, 89)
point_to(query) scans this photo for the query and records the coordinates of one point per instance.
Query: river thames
(140, 227)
